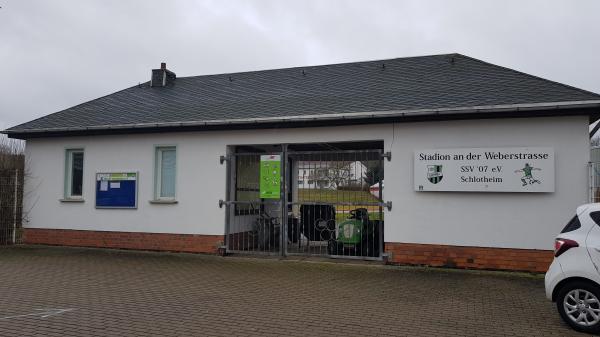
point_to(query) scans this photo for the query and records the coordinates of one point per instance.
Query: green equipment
(349, 231)
(356, 236)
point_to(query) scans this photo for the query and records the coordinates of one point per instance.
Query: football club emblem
(434, 173)
(528, 177)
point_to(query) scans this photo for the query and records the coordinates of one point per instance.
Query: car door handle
(597, 249)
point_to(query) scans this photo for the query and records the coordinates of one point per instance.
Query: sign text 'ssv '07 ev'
(508, 169)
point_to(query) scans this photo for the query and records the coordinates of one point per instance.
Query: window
(165, 167)
(74, 174)
(596, 217)
(572, 225)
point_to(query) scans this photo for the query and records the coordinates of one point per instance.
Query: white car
(573, 279)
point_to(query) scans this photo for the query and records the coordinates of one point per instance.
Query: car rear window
(574, 224)
(596, 217)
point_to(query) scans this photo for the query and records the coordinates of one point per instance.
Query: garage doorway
(322, 199)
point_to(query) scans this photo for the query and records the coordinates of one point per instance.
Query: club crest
(434, 173)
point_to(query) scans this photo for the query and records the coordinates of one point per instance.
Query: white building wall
(512, 220)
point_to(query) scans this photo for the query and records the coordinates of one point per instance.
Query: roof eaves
(325, 117)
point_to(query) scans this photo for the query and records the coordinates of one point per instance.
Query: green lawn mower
(356, 236)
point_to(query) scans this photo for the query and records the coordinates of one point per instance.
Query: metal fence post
(15, 201)
(593, 176)
(284, 201)
(590, 182)
(381, 238)
(228, 174)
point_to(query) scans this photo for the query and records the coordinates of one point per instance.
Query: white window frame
(69, 174)
(158, 149)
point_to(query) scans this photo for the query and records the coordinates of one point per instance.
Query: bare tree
(12, 171)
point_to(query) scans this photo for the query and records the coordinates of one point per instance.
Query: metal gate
(336, 208)
(252, 224)
(330, 203)
(594, 182)
(11, 210)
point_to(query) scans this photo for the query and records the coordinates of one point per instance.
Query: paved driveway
(124, 293)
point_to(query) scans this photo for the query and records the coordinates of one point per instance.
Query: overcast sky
(56, 54)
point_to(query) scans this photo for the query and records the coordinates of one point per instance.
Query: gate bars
(11, 210)
(333, 211)
(331, 204)
(252, 224)
(594, 181)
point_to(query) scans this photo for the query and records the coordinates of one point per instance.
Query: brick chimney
(162, 77)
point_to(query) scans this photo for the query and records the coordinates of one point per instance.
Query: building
(483, 165)
(312, 174)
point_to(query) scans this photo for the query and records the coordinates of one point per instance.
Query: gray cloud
(55, 54)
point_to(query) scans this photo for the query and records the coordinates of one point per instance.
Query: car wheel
(578, 304)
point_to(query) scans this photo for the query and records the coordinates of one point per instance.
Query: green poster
(270, 176)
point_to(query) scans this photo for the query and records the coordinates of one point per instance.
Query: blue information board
(116, 190)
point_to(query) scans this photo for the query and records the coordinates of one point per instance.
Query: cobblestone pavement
(126, 293)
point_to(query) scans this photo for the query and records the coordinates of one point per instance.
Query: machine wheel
(335, 248)
(578, 304)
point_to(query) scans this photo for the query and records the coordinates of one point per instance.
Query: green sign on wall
(270, 176)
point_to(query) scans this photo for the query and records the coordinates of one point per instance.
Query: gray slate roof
(402, 84)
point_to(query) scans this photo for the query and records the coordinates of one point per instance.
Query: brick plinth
(530, 260)
(125, 240)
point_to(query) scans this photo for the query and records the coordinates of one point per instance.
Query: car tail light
(562, 245)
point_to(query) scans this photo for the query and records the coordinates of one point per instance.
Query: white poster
(507, 169)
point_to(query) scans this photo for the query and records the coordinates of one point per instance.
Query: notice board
(270, 176)
(116, 190)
